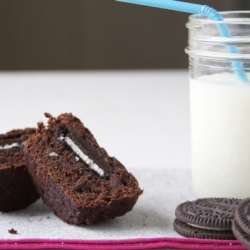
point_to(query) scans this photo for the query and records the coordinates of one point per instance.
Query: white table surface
(140, 117)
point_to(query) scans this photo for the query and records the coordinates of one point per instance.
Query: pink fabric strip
(122, 244)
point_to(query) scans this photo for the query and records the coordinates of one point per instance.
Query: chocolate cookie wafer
(241, 223)
(16, 187)
(209, 218)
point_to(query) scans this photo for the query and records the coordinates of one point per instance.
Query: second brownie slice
(75, 177)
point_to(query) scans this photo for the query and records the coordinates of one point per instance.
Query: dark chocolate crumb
(115, 182)
(81, 184)
(12, 231)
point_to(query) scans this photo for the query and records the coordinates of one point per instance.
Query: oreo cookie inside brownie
(16, 186)
(75, 177)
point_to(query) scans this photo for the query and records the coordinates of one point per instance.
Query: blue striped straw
(203, 10)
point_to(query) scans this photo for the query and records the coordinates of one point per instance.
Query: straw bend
(211, 13)
(205, 10)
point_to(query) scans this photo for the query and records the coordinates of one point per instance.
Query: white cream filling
(209, 228)
(83, 156)
(13, 145)
(53, 154)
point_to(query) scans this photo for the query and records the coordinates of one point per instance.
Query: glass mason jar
(220, 104)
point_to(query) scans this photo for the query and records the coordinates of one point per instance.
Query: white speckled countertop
(151, 217)
(140, 117)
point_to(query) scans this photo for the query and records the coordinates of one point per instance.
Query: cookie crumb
(12, 231)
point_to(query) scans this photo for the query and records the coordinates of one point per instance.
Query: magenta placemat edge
(136, 243)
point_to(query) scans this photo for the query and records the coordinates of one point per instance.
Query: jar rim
(217, 55)
(228, 16)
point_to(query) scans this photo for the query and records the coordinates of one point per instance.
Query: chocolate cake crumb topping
(12, 231)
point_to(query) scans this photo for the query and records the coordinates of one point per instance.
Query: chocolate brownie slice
(16, 186)
(75, 177)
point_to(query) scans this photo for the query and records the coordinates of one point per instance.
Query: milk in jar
(220, 129)
(219, 73)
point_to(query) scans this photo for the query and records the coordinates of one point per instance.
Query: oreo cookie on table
(208, 218)
(241, 223)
